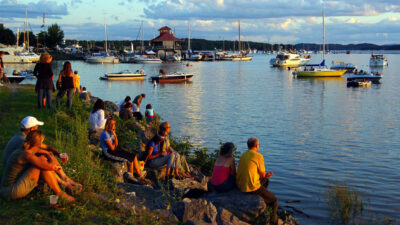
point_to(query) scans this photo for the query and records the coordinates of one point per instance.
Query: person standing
(1, 64)
(44, 84)
(77, 82)
(67, 81)
(136, 106)
(252, 178)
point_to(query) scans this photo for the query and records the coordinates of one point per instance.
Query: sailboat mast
(105, 33)
(189, 36)
(142, 48)
(323, 33)
(27, 27)
(239, 45)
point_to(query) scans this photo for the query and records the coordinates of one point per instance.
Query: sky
(270, 21)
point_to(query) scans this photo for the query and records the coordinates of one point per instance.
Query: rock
(186, 185)
(156, 176)
(94, 138)
(110, 107)
(144, 133)
(227, 218)
(197, 211)
(119, 168)
(244, 206)
(149, 197)
(93, 99)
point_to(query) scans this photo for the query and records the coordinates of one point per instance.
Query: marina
(228, 101)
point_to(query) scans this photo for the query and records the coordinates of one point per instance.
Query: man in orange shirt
(252, 178)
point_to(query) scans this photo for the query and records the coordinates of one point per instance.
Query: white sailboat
(241, 56)
(144, 57)
(103, 57)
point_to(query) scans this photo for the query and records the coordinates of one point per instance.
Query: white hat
(29, 122)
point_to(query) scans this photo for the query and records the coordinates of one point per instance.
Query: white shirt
(97, 120)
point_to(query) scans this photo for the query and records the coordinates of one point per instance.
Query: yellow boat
(319, 72)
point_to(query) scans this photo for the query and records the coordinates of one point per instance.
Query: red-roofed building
(166, 44)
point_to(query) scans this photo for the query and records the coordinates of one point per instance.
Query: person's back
(125, 114)
(15, 143)
(13, 168)
(84, 95)
(248, 177)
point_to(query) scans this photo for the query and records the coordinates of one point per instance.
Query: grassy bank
(67, 131)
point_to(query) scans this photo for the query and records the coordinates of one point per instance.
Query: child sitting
(149, 113)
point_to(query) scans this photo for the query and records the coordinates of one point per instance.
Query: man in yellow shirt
(77, 83)
(252, 178)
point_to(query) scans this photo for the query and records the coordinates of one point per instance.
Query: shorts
(22, 186)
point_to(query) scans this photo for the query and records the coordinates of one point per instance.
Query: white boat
(285, 59)
(377, 60)
(123, 75)
(375, 78)
(339, 65)
(18, 55)
(241, 56)
(175, 77)
(145, 59)
(103, 58)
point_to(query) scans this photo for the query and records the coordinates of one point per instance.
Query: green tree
(54, 36)
(6, 36)
(32, 38)
(42, 36)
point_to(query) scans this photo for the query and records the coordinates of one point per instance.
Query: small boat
(145, 59)
(377, 60)
(175, 77)
(123, 75)
(359, 83)
(369, 77)
(339, 65)
(102, 58)
(27, 74)
(15, 78)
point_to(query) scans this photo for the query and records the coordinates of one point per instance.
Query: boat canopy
(321, 64)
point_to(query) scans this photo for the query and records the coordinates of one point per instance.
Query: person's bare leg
(50, 178)
(34, 174)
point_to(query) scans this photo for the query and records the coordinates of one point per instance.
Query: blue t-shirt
(156, 148)
(105, 136)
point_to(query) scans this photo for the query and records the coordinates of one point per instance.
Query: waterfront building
(166, 45)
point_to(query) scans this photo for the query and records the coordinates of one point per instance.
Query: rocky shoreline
(189, 201)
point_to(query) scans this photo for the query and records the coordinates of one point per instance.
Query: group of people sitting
(26, 159)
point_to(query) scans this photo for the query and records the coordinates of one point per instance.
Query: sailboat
(320, 70)
(241, 56)
(144, 56)
(103, 57)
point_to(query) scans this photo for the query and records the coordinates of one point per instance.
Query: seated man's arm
(50, 149)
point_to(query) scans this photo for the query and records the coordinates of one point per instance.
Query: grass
(66, 130)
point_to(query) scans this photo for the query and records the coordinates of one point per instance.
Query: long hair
(227, 149)
(67, 70)
(34, 138)
(108, 123)
(99, 104)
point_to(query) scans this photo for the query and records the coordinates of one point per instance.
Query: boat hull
(103, 60)
(171, 78)
(247, 58)
(373, 79)
(15, 79)
(331, 73)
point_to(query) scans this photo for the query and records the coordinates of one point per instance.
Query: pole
(27, 28)
(323, 33)
(189, 47)
(239, 45)
(105, 33)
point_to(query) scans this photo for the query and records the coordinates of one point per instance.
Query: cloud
(259, 9)
(15, 9)
(352, 20)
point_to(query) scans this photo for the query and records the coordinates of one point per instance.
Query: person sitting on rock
(156, 158)
(224, 172)
(149, 113)
(123, 102)
(84, 95)
(110, 150)
(97, 120)
(26, 165)
(166, 147)
(252, 178)
(126, 111)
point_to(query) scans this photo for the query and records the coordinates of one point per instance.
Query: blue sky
(274, 21)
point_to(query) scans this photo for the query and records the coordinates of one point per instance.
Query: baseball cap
(29, 122)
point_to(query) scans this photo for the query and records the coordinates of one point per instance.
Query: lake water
(312, 131)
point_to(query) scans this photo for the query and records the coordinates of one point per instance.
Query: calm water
(312, 131)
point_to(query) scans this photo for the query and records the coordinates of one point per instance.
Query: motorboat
(15, 78)
(377, 60)
(318, 70)
(340, 65)
(285, 59)
(175, 77)
(102, 58)
(27, 74)
(145, 59)
(236, 57)
(18, 55)
(124, 75)
(359, 83)
(375, 78)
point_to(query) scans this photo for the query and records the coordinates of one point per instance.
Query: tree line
(50, 38)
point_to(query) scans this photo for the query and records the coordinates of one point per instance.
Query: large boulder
(110, 107)
(151, 198)
(245, 206)
(144, 133)
(227, 218)
(186, 185)
(118, 169)
(196, 211)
